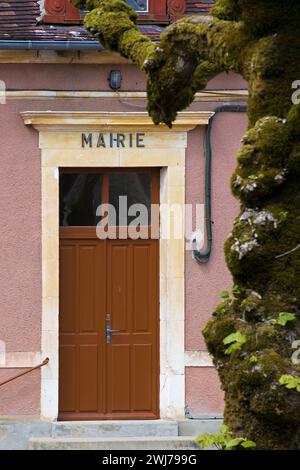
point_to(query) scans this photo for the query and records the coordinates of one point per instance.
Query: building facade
(119, 319)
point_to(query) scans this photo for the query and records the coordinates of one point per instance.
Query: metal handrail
(45, 361)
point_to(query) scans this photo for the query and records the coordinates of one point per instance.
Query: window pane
(80, 194)
(138, 5)
(136, 187)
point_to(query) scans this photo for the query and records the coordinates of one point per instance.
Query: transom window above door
(123, 194)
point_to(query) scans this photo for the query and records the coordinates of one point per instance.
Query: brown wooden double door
(109, 326)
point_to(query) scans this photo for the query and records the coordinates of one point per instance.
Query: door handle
(108, 330)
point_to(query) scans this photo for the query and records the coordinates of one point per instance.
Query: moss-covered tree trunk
(260, 39)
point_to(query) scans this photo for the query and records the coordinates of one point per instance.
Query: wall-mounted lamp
(115, 79)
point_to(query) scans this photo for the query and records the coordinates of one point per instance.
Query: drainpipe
(202, 257)
(51, 45)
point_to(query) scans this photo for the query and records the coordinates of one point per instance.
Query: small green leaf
(224, 429)
(232, 348)
(236, 290)
(224, 294)
(248, 444)
(285, 379)
(236, 337)
(236, 340)
(234, 442)
(205, 440)
(290, 382)
(283, 318)
(209, 440)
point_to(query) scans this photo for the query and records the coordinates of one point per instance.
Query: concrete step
(195, 427)
(122, 428)
(117, 443)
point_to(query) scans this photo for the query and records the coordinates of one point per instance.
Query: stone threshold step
(117, 443)
(122, 428)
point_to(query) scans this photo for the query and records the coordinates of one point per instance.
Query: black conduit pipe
(202, 257)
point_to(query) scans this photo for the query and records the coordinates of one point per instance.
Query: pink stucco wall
(203, 394)
(20, 209)
(20, 194)
(68, 77)
(22, 396)
(229, 81)
(205, 282)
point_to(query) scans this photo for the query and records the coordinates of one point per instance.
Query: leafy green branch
(224, 440)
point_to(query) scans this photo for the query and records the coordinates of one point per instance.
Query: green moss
(262, 337)
(215, 332)
(100, 24)
(273, 139)
(293, 163)
(263, 161)
(276, 67)
(293, 120)
(246, 155)
(263, 17)
(252, 308)
(134, 44)
(227, 10)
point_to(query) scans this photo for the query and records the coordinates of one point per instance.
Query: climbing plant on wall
(251, 333)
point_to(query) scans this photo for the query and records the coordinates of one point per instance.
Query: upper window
(141, 6)
(150, 11)
(126, 195)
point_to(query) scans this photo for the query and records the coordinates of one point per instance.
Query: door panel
(142, 289)
(88, 373)
(87, 301)
(119, 281)
(68, 286)
(67, 378)
(142, 376)
(118, 378)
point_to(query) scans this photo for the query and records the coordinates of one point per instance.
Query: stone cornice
(85, 120)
